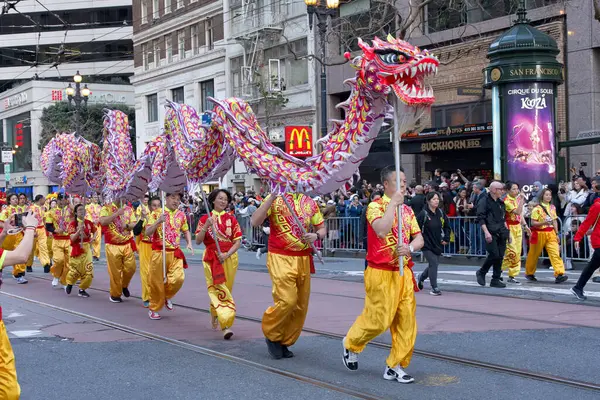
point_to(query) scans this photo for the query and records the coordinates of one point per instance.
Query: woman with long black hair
(435, 228)
(220, 262)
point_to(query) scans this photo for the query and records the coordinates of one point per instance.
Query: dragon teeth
(413, 92)
(413, 71)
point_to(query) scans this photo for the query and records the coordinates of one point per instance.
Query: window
(155, 9)
(177, 95)
(152, 104)
(179, 4)
(460, 114)
(292, 72)
(144, 11)
(194, 37)
(207, 89)
(167, 6)
(145, 56)
(181, 44)
(236, 64)
(169, 48)
(156, 49)
(209, 34)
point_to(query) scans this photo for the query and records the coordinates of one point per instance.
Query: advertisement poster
(298, 141)
(529, 128)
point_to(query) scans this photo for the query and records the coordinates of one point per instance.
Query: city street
(542, 346)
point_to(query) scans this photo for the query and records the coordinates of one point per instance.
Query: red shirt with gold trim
(228, 229)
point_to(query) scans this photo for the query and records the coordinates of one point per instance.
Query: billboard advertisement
(530, 133)
(298, 141)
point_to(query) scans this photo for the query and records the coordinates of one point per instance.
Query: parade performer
(12, 241)
(290, 263)
(220, 267)
(143, 209)
(513, 204)
(589, 227)
(390, 297)
(544, 235)
(92, 211)
(81, 267)
(9, 386)
(23, 203)
(145, 250)
(174, 220)
(58, 221)
(49, 237)
(40, 244)
(117, 224)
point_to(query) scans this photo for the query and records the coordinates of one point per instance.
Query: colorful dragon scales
(189, 151)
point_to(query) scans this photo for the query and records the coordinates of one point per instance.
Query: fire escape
(254, 23)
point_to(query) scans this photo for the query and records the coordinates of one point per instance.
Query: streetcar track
(424, 353)
(202, 350)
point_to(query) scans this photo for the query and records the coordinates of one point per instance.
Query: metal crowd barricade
(467, 238)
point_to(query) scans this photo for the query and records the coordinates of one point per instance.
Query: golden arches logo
(298, 140)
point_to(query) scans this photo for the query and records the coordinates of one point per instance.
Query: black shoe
(497, 283)
(578, 293)
(96, 259)
(435, 292)
(115, 299)
(83, 293)
(480, 278)
(531, 278)
(46, 269)
(420, 282)
(513, 280)
(126, 292)
(68, 289)
(29, 269)
(596, 279)
(561, 278)
(286, 353)
(275, 349)
(350, 358)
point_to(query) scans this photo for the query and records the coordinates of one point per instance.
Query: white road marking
(15, 315)
(25, 334)
(525, 288)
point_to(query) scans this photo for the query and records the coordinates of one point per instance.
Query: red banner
(298, 141)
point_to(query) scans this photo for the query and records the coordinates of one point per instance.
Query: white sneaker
(227, 334)
(169, 305)
(258, 254)
(397, 374)
(350, 358)
(153, 315)
(21, 280)
(54, 282)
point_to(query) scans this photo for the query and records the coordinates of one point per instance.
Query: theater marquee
(443, 145)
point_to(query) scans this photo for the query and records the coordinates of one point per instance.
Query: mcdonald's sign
(298, 141)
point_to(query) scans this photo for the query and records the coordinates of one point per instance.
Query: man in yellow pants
(12, 241)
(174, 222)
(390, 297)
(513, 203)
(117, 225)
(58, 221)
(9, 386)
(290, 263)
(40, 243)
(92, 211)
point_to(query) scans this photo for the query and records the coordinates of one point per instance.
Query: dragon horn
(391, 39)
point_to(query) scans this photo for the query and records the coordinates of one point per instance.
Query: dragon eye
(393, 58)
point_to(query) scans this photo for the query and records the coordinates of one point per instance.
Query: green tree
(60, 117)
(270, 102)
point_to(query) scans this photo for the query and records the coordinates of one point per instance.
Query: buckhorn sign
(298, 141)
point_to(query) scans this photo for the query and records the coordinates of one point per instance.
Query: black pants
(588, 271)
(495, 250)
(431, 271)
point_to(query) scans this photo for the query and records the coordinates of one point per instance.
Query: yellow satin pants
(389, 304)
(121, 267)
(512, 255)
(549, 241)
(9, 387)
(81, 268)
(97, 242)
(145, 252)
(159, 290)
(10, 243)
(61, 252)
(40, 246)
(49, 242)
(222, 304)
(283, 321)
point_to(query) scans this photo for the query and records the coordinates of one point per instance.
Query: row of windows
(151, 8)
(202, 37)
(207, 89)
(460, 114)
(76, 19)
(73, 52)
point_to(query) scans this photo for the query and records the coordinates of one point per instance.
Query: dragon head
(398, 65)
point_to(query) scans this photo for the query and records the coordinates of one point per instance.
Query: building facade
(56, 38)
(20, 126)
(461, 38)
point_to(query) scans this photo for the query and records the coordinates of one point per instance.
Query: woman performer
(220, 268)
(145, 248)
(12, 241)
(81, 266)
(544, 235)
(514, 203)
(53, 205)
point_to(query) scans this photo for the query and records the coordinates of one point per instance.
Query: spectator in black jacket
(433, 222)
(595, 194)
(418, 200)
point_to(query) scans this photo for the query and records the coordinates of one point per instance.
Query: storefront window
(478, 112)
(18, 136)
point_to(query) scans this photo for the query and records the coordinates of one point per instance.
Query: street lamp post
(323, 9)
(7, 159)
(77, 95)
